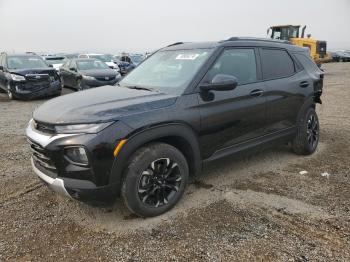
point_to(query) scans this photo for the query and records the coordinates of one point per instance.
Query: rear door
(234, 116)
(286, 86)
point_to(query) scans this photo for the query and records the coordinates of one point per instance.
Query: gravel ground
(256, 207)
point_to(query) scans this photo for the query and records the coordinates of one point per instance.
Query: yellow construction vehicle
(318, 49)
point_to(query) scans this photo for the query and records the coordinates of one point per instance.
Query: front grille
(107, 78)
(37, 77)
(35, 82)
(40, 157)
(44, 128)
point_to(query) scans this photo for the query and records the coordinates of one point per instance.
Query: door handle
(304, 84)
(257, 92)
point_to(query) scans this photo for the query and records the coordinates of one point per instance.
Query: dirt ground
(256, 207)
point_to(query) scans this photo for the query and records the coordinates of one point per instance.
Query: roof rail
(177, 43)
(257, 39)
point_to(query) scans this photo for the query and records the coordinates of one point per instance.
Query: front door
(232, 117)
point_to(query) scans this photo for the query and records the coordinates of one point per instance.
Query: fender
(155, 133)
(309, 102)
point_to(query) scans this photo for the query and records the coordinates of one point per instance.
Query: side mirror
(50, 65)
(221, 82)
(1, 68)
(72, 69)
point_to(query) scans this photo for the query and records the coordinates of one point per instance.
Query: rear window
(276, 63)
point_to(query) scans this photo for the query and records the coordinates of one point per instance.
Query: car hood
(24, 72)
(101, 104)
(99, 72)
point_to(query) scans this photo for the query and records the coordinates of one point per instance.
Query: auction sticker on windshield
(187, 56)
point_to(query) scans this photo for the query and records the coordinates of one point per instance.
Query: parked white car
(55, 61)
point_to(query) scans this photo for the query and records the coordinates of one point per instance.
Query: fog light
(77, 155)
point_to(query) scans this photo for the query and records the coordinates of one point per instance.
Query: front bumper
(53, 88)
(86, 84)
(56, 184)
(88, 184)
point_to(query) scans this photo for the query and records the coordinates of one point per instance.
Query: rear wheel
(154, 180)
(307, 137)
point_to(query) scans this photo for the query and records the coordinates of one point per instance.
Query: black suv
(25, 76)
(187, 104)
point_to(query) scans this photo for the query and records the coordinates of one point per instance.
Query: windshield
(25, 62)
(167, 71)
(91, 64)
(103, 58)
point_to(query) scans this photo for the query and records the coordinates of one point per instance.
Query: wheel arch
(308, 103)
(179, 135)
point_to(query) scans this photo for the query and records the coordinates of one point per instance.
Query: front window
(167, 71)
(91, 64)
(236, 62)
(25, 62)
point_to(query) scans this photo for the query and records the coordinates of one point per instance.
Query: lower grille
(111, 78)
(40, 157)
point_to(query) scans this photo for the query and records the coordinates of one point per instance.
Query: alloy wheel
(159, 183)
(312, 131)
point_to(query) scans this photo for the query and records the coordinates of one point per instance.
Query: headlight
(77, 155)
(88, 77)
(82, 128)
(17, 77)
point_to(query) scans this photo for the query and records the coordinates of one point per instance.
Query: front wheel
(10, 93)
(154, 180)
(62, 82)
(79, 86)
(307, 137)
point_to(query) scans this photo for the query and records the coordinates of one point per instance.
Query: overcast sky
(140, 25)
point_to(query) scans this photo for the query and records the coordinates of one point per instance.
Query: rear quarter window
(276, 63)
(307, 62)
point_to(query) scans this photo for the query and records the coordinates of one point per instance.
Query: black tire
(10, 94)
(79, 87)
(307, 137)
(154, 180)
(58, 93)
(62, 82)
